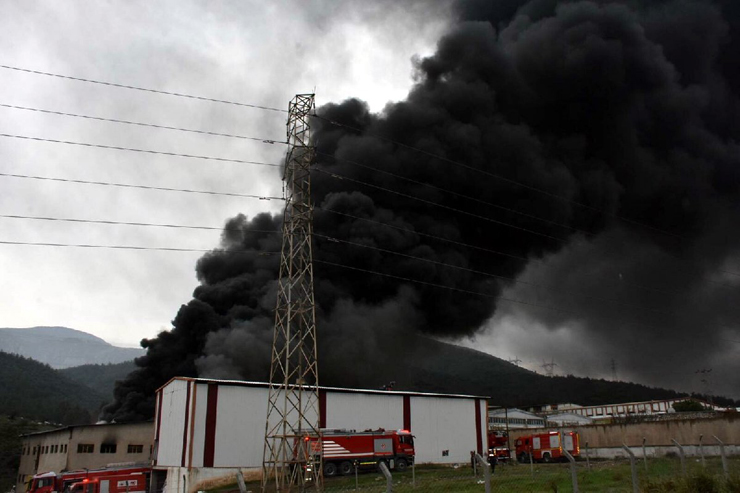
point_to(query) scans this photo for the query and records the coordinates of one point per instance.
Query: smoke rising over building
(575, 164)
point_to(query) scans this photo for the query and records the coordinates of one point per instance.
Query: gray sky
(254, 52)
(247, 51)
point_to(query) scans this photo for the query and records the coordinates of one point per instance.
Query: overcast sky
(253, 52)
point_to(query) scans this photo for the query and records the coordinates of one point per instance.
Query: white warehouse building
(208, 429)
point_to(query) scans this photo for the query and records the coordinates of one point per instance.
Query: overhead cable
(135, 88)
(502, 178)
(141, 124)
(101, 146)
(144, 187)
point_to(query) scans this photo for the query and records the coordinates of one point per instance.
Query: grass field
(663, 476)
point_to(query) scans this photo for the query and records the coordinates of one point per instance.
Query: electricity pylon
(293, 400)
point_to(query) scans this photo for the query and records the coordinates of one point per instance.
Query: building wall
(445, 429)
(57, 450)
(657, 433)
(229, 419)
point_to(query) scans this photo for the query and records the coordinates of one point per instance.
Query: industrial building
(513, 418)
(208, 429)
(605, 412)
(84, 447)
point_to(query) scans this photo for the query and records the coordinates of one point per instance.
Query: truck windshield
(407, 439)
(42, 482)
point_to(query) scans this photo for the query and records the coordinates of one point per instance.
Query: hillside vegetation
(36, 391)
(102, 378)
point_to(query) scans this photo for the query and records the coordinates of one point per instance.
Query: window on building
(85, 448)
(108, 448)
(135, 449)
(65, 448)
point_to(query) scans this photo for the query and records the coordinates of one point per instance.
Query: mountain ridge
(62, 347)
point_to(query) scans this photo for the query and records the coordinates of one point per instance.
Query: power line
(141, 124)
(399, 228)
(144, 187)
(135, 88)
(483, 249)
(496, 221)
(481, 273)
(328, 238)
(132, 247)
(86, 144)
(457, 194)
(501, 177)
(442, 206)
(475, 293)
(125, 223)
(259, 253)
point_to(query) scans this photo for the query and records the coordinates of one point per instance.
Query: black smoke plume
(619, 121)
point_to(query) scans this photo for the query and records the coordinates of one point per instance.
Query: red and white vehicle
(342, 450)
(498, 446)
(547, 447)
(108, 480)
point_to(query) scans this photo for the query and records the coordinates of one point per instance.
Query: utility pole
(549, 367)
(293, 399)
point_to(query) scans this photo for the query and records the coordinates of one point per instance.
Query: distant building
(513, 418)
(84, 447)
(568, 419)
(606, 412)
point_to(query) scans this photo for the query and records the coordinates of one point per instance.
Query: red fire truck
(108, 480)
(342, 450)
(547, 447)
(498, 446)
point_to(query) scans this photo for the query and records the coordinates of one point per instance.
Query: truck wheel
(546, 458)
(330, 469)
(401, 465)
(345, 468)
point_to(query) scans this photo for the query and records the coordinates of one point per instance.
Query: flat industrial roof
(244, 383)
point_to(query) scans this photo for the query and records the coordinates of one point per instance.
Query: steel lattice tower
(293, 402)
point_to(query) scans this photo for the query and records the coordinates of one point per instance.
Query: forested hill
(37, 391)
(99, 377)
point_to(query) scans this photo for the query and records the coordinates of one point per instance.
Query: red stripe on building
(159, 413)
(209, 450)
(322, 408)
(407, 412)
(159, 424)
(185, 426)
(478, 431)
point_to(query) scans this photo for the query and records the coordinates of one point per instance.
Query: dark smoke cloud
(629, 109)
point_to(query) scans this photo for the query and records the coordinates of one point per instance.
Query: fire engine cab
(547, 447)
(113, 480)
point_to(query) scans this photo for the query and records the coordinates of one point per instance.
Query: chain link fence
(668, 474)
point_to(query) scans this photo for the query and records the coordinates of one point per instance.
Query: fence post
(701, 452)
(633, 466)
(531, 461)
(184, 484)
(724, 457)
(680, 454)
(644, 453)
(573, 473)
(388, 477)
(486, 471)
(240, 481)
(588, 461)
